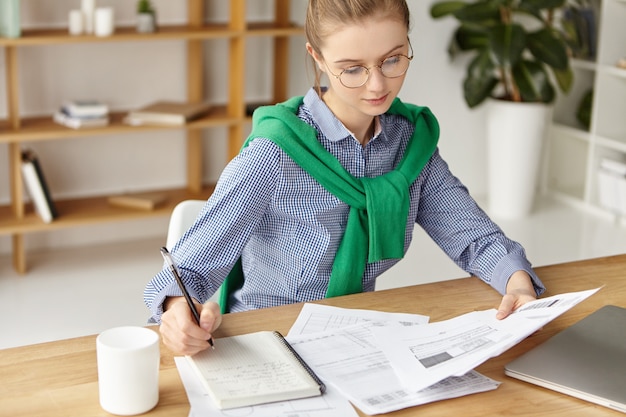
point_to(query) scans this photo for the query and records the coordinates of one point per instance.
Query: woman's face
(366, 43)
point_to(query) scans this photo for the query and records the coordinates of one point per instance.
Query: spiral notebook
(254, 368)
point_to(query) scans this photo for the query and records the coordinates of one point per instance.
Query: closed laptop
(587, 360)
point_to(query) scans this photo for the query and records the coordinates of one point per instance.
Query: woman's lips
(377, 101)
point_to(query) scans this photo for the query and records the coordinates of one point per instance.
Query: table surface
(60, 378)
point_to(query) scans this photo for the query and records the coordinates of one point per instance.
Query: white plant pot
(146, 23)
(515, 137)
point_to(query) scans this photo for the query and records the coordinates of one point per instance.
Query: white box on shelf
(612, 185)
(607, 190)
(621, 195)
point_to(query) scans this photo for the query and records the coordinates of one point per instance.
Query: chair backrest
(183, 216)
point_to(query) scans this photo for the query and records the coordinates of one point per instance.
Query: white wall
(128, 75)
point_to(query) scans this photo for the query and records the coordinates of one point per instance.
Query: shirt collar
(327, 123)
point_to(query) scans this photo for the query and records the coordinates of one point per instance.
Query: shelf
(39, 37)
(44, 128)
(270, 29)
(573, 132)
(612, 144)
(95, 210)
(614, 71)
(122, 34)
(583, 64)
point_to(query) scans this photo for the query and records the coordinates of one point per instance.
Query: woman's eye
(392, 60)
(356, 70)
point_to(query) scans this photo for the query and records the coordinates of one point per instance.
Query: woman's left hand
(519, 291)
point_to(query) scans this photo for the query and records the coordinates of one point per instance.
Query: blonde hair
(323, 17)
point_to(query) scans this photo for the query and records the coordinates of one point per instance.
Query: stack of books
(167, 113)
(82, 113)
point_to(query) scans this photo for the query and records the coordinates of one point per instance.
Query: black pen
(170, 262)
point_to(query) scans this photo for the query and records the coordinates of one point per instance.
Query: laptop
(587, 360)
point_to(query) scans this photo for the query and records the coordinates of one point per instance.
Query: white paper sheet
(424, 355)
(315, 318)
(331, 404)
(351, 359)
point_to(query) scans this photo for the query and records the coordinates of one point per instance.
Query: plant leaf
(533, 82)
(480, 80)
(479, 12)
(445, 8)
(542, 4)
(548, 48)
(507, 43)
(469, 37)
(564, 79)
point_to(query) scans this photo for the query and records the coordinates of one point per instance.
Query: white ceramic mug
(128, 370)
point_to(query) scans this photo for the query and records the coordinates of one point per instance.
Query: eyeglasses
(391, 67)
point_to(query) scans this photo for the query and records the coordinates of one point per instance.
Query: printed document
(350, 358)
(315, 318)
(424, 355)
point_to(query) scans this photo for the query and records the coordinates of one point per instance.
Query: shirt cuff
(157, 303)
(509, 265)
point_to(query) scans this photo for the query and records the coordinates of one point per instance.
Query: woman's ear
(316, 57)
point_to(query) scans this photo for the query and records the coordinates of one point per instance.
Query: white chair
(183, 216)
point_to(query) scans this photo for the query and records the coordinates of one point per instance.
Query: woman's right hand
(179, 330)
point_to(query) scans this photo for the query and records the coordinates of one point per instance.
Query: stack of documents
(382, 362)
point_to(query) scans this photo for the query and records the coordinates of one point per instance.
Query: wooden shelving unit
(18, 218)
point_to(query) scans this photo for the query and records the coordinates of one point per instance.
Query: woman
(324, 195)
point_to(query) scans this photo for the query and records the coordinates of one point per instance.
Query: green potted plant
(519, 59)
(515, 46)
(146, 17)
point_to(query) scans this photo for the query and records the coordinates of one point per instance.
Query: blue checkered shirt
(286, 228)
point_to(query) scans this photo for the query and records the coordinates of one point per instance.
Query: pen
(170, 262)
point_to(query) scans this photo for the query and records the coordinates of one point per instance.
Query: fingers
(181, 334)
(506, 307)
(513, 301)
(210, 316)
(519, 291)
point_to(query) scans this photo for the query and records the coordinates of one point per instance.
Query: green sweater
(379, 206)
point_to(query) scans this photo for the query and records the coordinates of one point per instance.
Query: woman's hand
(179, 330)
(519, 291)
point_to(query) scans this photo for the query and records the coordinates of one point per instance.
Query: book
(142, 201)
(167, 113)
(254, 368)
(85, 108)
(579, 24)
(63, 118)
(37, 186)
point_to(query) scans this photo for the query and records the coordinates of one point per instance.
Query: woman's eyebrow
(352, 61)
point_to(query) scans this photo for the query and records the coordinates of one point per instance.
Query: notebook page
(252, 368)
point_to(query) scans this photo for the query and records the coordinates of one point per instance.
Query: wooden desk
(60, 378)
